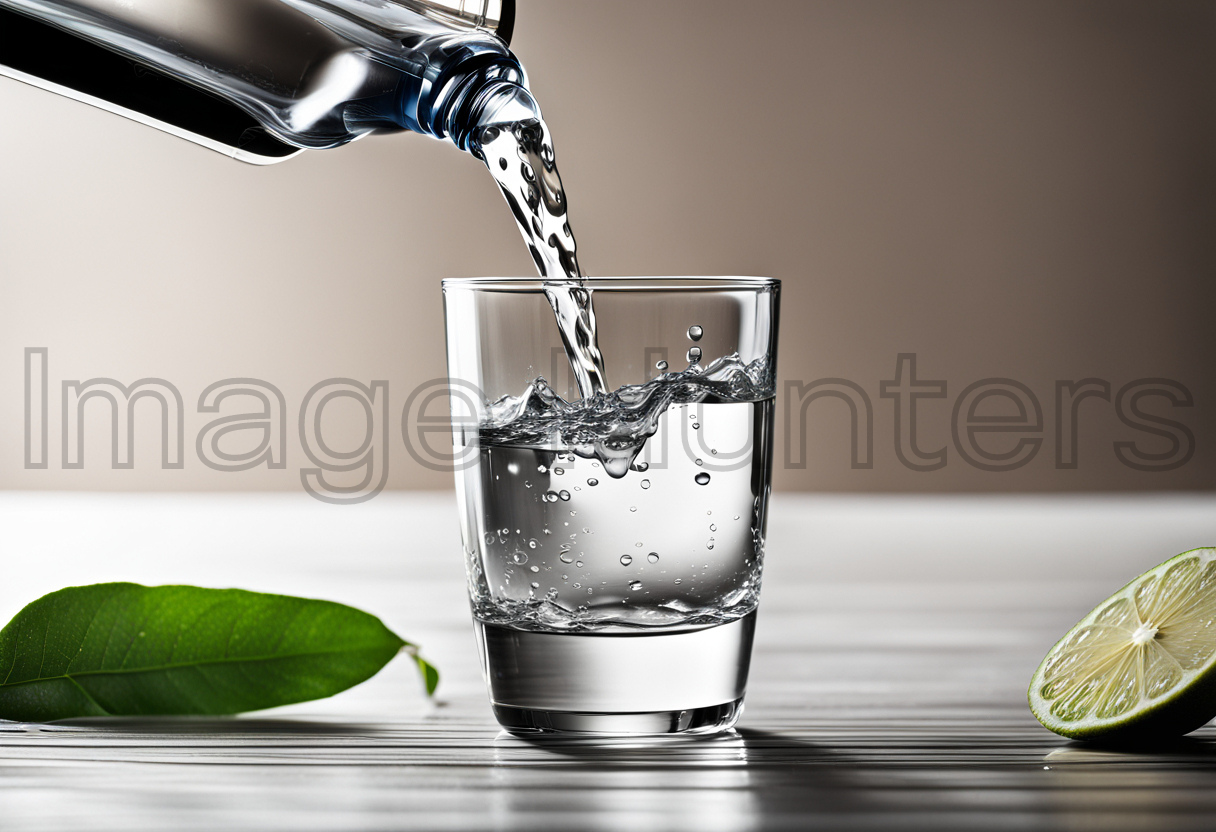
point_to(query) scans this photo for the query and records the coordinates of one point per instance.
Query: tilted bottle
(261, 80)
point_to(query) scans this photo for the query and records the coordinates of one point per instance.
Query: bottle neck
(495, 94)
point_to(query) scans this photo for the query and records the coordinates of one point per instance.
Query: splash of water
(614, 427)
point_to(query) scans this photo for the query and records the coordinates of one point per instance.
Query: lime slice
(1140, 666)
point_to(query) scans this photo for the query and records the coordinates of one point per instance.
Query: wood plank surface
(895, 641)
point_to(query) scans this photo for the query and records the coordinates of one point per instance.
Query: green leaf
(126, 649)
(430, 674)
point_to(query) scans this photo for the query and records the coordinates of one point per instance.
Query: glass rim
(615, 284)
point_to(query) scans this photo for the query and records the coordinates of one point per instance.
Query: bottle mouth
(488, 99)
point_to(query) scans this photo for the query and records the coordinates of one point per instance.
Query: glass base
(710, 720)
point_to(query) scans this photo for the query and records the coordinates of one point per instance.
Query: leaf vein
(123, 671)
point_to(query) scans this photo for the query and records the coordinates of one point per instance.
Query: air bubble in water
(661, 366)
(712, 527)
(489, 539)
(626, 560)
(694, 355)
(702, 478)
(577, 585)
(593, 481)
(653, 557)
(532, 543)
(519, 557)
(635, 585)
(565, 557)
(645, 483)
(579, 564)
(533, 568)
(542, 469)
(564, 494)
(695, 332)
(535, 585)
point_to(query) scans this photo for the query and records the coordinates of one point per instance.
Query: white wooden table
(895, 642)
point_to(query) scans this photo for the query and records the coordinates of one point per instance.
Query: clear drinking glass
(614, 543)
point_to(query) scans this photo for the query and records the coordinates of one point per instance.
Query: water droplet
(635, 585)
(502, 163)
(695, 332)
(535, 585)
(696, 425)
(736, 517)
(551, 497)
(712, 527)
(534, 568)
(566, 557)
(702, 478)
(640, 467)
(520, 557)
(645, 483)
(577, 585)
(637, 545)
(489, 539)
(593, 481)
(532, 543)
(678, 581)
(595, 465)
(713, 451)
(694, 355)
(626, 560)
(709, 544)
(542, 469)
(653, 557)
(527, 484)
(579, 564)
(700, 461)
(559, 471)
(565, 495)
(661, 366)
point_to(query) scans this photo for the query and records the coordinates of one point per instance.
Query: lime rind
(1140, 664)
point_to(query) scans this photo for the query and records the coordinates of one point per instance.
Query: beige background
(1018, 189)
